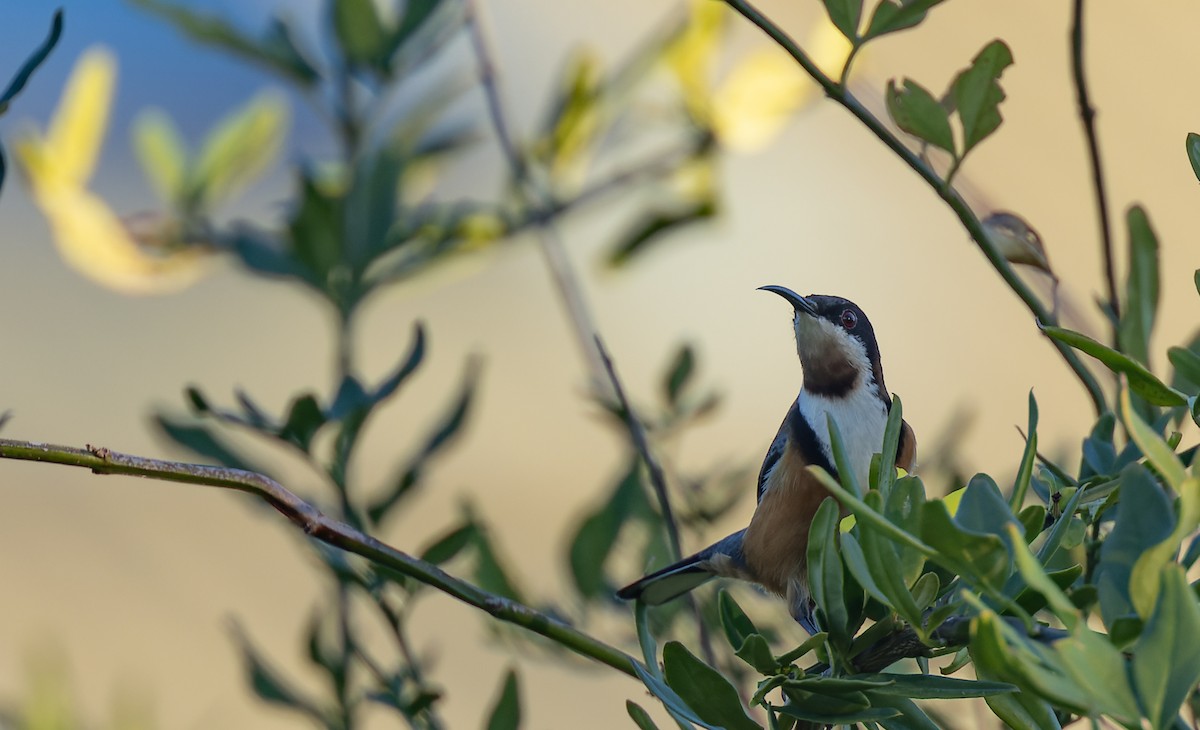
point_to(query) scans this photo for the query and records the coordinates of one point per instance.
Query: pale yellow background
(135, 581)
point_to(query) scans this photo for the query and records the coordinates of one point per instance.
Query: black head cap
(832, 364)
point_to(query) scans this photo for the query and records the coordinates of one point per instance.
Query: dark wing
(776, 451)
(906, 449)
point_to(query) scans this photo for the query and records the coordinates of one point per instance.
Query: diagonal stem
(1087, 115)
(327, 530)
(948, 194)
(570, 290)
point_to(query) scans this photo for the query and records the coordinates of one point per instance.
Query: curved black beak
(802, 304)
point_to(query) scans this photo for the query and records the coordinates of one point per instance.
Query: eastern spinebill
(843, 378)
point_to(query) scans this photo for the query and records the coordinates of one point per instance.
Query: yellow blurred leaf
(81, 119)
(161, 152)
(89, 236)
(689, 56)
(241, 147)
(751, 106)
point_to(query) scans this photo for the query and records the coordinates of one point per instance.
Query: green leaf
(1157, 452)
(446, 429)
(446, 547)
(805, 647)
(1193, 153)
(269, 684)
(846, 15)
(201, 441)
(756, 652)
(679, 373)
(980, 557)
(977, 93)
(1187, 366)
(506, 713)
(891, 16)
(409, 365)
(276, 49)
(1020, 710)
(640, 717)
(162, 154)
(737, 625)
(1058, 532)
(35, 59)
(653, 225)
(1166, 665)
(825, 573)
(932, 687)
(1147, 571)
(671, 700)
(1035, 577)
(239, 149)
(891, 444)
(841, 461)
(305, 418)
(1141, 380)
(1144, 519)
(915, 111)
(911, 716)
(704, 689)
(807, 711)
(598, 532)
(490, 573)
(359, 32)
(1141, 288)
(416, 13)
(1028, 458)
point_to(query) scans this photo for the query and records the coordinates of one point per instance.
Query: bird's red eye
(849, 319)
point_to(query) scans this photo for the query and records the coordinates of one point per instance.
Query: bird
(842, 378)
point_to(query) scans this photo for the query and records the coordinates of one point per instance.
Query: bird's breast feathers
(861, 418)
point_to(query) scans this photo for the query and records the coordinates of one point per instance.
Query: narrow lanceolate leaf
(31, 64)
(640, 717)
(1141, 288)
(1144, 520)
(1193, 152)
(1141, 381)
(977, 93)
(914, 110)
(1157, 452)
(359, 31)
(1165, 666)
(162, 154)
(506, 713)
(891, 16)
(1187, 366)
(845, 15)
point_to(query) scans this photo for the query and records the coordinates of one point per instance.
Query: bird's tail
(723, 558)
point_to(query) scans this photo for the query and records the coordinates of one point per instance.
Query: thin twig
(327, 530)
(569, 288)
(951, 197)
(1087, 115)
(658, 480)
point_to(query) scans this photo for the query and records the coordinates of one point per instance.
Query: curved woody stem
(948, 194)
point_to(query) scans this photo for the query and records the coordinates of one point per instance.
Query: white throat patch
(861, 418)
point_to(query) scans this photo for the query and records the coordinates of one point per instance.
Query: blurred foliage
(1065, 594)
(17, 83)
(368, 217)
(49, 702)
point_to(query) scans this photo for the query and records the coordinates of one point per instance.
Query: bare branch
(330, 531)
(1087, 115)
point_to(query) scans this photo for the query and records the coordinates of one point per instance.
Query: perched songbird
(843, 378)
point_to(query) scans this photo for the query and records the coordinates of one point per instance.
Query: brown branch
(330, 531)
(948, 194)
(658, 480)
(1087, 115)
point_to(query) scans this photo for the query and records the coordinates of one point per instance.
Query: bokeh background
(130, 586)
